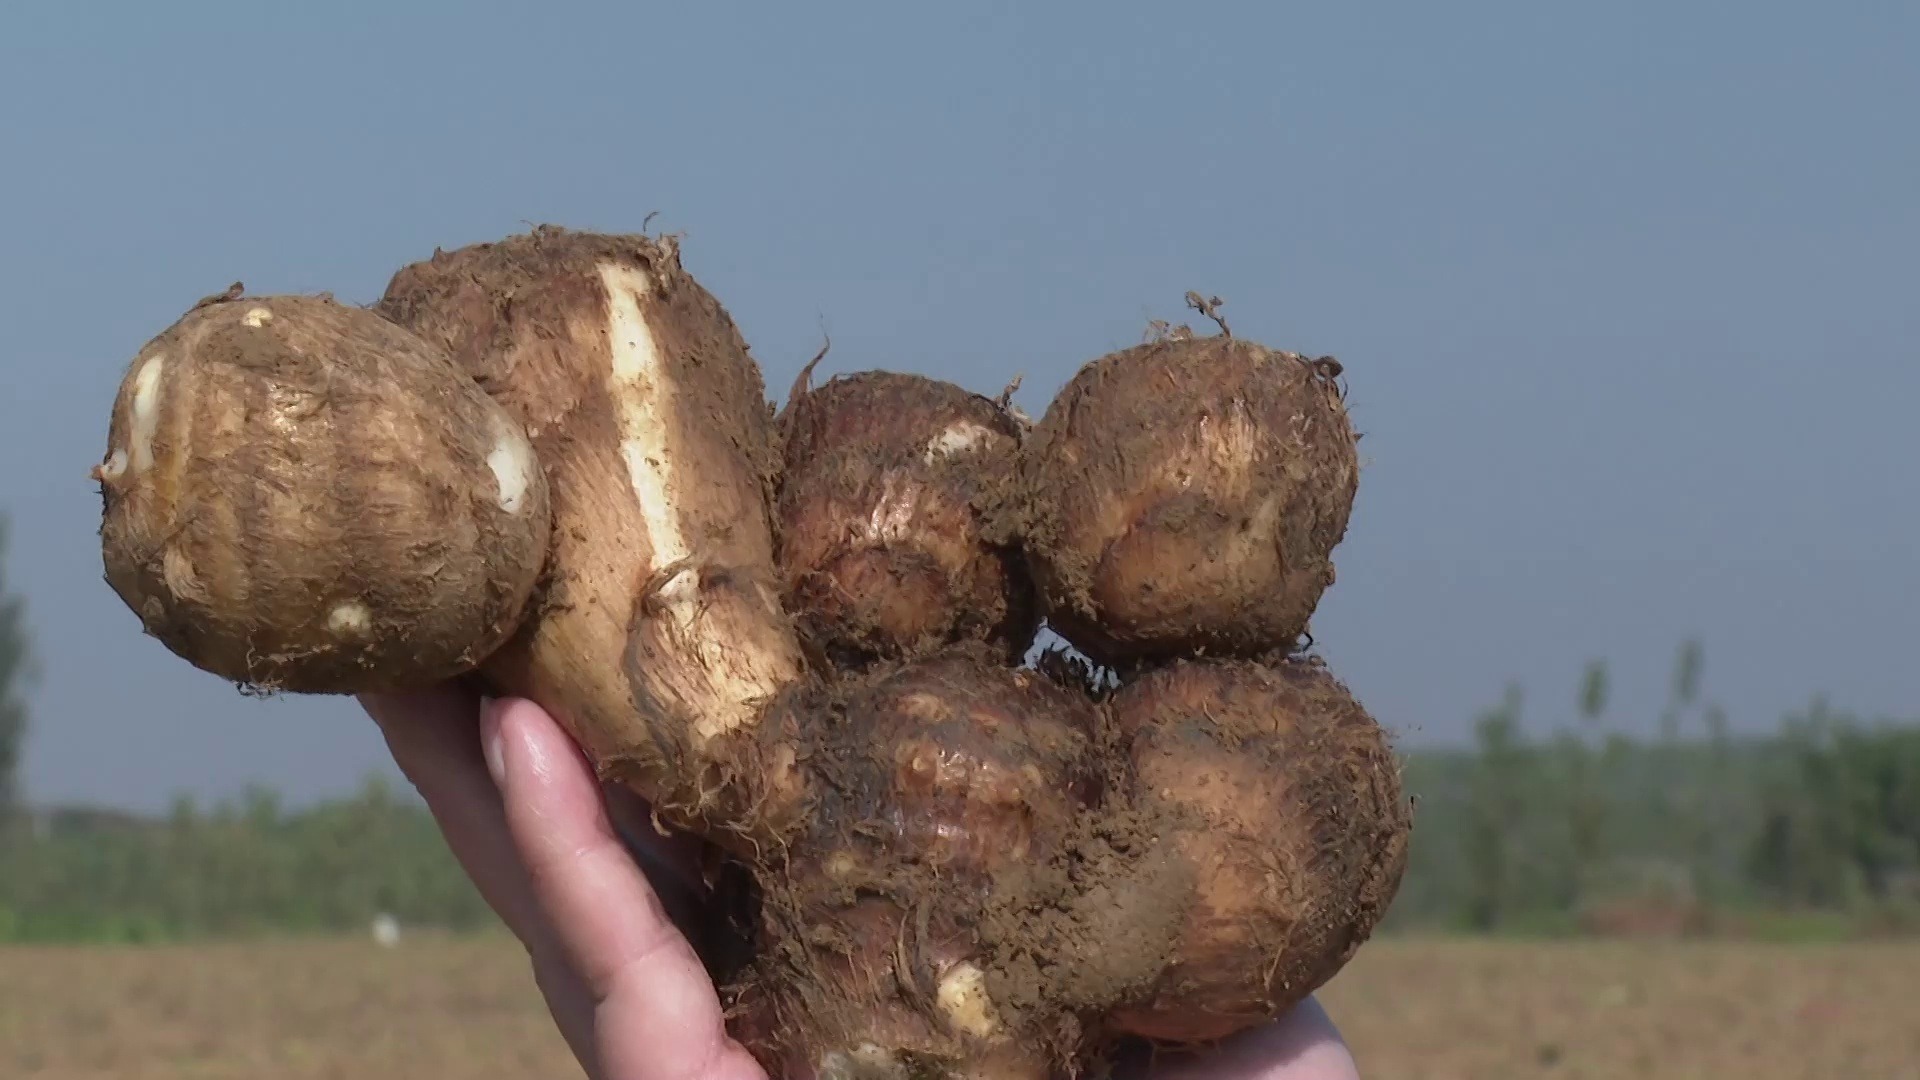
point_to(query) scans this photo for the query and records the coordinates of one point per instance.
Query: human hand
(523, 812)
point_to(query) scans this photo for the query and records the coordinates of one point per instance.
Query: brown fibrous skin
(1185, 497)
(1003, 877)
(1283, 799)
(300, 496)
(662, 642)
(892, 518)
(942, 783)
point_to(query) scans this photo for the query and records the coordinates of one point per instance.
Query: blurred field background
(1413, 1010)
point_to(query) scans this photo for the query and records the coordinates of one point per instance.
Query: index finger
(657, 1013)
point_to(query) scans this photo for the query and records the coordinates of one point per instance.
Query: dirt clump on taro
(1185, 497)
(892, 514)
(942, 782)
(547, 465)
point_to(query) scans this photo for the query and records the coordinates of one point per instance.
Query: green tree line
(16, 666)
(244, 867)
(1813, 828)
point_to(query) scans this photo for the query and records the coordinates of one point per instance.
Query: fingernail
(491, 744)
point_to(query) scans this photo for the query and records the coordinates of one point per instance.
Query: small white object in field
(386, 930)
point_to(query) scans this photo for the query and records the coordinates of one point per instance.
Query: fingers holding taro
(549, 465)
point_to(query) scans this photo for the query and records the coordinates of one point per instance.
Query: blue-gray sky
(1627, 292)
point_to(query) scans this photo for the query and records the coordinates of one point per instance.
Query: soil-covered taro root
(1283, 802)
(944, 784)
(962, 868)
(1185, 497)
(892, 518)
(661, 643)
(301, 496)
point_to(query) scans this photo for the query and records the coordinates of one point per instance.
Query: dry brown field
(1413, 1010)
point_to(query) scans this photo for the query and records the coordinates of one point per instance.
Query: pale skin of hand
(523, 812)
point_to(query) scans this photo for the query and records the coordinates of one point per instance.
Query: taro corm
(893, 507)
(301, 494)
(1187, 495)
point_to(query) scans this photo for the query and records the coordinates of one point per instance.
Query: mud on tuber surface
(548, 465)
